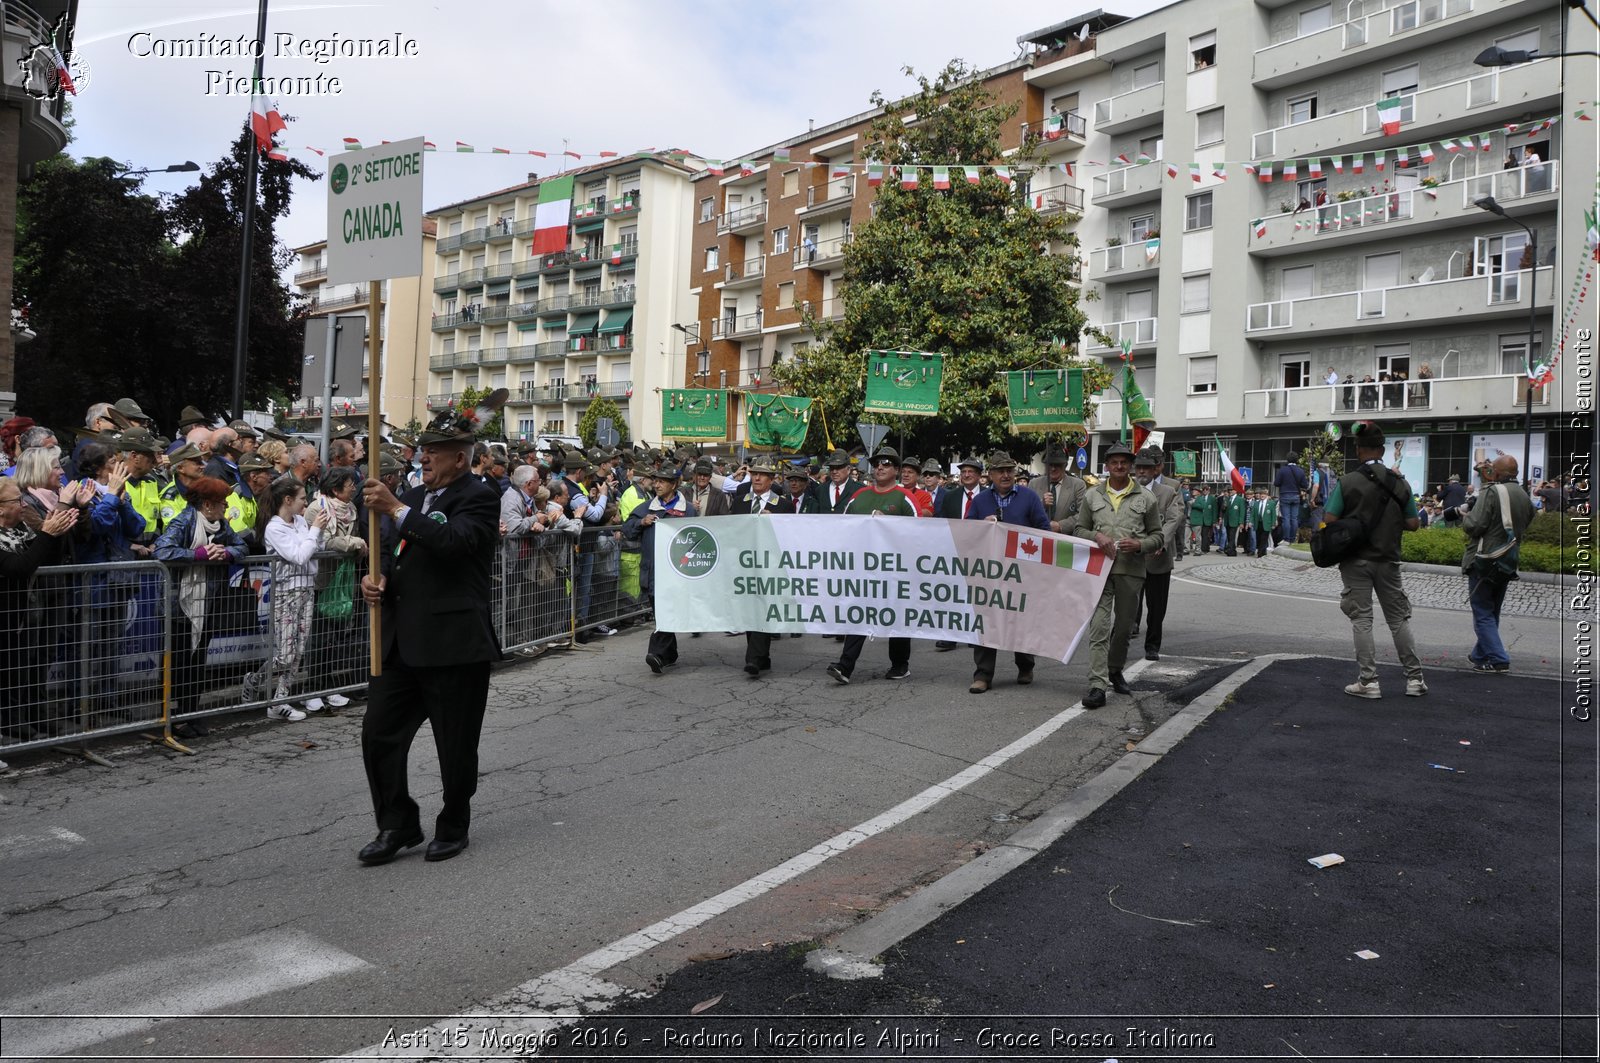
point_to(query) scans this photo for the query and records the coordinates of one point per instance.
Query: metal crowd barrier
(104, 650)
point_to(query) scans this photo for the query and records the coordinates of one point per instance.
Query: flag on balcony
(265, 121)
(1264, 174)
(1144, 158)
(908, 177)
(746, 167)
(464, 148)
(1123, 158)
(1316, 169)
(1066, 168)
(1427, 153)
(1235, 477)
(1137, 407)
(1004, 173)
(1260, 225)
(1338, 163)
(616, 254)
(941, 177)
(1541, 127)
(552, 216)
(780, 154)
(1172, 170)
(1358, 163)
(1054, 125)
(1379, 158)
(1450, 145)
(1251, 169)
(352, 144)
(1511, 128)
(1219, 171)
(973, 174)
(1290, 168)
(1194, 172)
(1389, 115)
(874, 175)
(1583, 115)
(1152, 247)
(838, 170)
(714, 167)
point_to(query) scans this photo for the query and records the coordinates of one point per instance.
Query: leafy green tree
(135, 295)
(959, 271)
(588, 424)
(470, 397)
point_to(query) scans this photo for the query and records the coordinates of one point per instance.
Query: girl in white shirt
(294, 542)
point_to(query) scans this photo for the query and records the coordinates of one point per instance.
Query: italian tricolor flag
(552, 216)
(1235, 477)
(1389, 115)
(1062, 553)
(265, 121)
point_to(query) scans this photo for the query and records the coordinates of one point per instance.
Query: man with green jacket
(1486, 534)
(1236, 517)
(1124, 520)
(1264, 517)
(1203, 515)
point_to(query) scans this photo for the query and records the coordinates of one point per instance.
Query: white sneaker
(314, 705)
(1415, 688)
(1364, 690)
(285, 712)
(337, 701)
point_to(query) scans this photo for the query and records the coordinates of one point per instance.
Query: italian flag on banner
(552, 216)
(973, 174)
(352, 144)
(1235, 477)
(941, 177)
(1389, 115)
(1027, 546)
(616, 254)
(908, 177)
(874, 175)
(265, 121)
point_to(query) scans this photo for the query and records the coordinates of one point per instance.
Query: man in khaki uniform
(1382, 499)
(1159, 565)
(1062, 491)
(1124, 520)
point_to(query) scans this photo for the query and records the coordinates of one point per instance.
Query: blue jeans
(1289, 510)
(1486, 597)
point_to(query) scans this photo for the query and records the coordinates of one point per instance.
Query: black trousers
(663, 644)
(452, 700)
(758, 648)
(899, 652)
(1156, 588)
(984, 659)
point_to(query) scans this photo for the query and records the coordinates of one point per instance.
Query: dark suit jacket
(949, 507)
(436, 602)
(740, 503)
(825, 502)
(807, 501)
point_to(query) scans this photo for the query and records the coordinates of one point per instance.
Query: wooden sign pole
(374, 461)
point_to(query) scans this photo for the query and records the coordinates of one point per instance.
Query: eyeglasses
(890, 464)
(11, 501)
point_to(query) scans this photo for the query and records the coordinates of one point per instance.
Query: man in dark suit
(758, 498)
(802, 493)
(841, 483)
(438, 639)
(1005, 503)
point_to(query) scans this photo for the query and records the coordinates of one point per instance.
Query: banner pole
(374, 463)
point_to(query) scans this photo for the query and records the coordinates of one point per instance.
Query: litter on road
(1326, 860)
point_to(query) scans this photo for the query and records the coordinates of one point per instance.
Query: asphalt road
(712, 812)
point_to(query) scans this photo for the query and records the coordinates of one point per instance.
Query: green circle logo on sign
(905, 378)
(339, 178)
(693, 552)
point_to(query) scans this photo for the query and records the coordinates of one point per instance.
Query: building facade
(1298, 239)
(404, 336)
(560, 330)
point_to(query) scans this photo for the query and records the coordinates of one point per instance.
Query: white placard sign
(375, 213)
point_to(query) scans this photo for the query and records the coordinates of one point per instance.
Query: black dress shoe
(1095, 699)
(438, 849)
(387, 845)
(1119, 684)
(1152, 655)
(752, 669)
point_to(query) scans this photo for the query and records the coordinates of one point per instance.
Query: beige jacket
(1139, 517)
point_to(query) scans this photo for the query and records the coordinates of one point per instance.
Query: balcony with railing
(1462, 396)
(1058, 131)
(1139, 332)
(588, 209)
(1369, 31)
(837, 195)
(1057, 199)
(521, 353)
(627, 203)
(444, 322)
(559, 260)
(542, 393)
(1124, 261)
(736, 326)
(502, 229)
(315, 273)
(1411, 211)
(1130, 109)
(440, 362)
(616, 342)
(614, 296)
(500, 271)
(624, 249)
(825, 254)
(330, 303)
(473, 237)
(1457, 300)
(1128, 185)
(494, 355)
(1473, 103)
(740, 219)
(744, 274)
(443, 399)
(553, 304)
(826, 310)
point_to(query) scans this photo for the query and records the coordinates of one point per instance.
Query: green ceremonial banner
(979, 582)
(1045, 400)
(778, 422)
(1183, 463)
(904, 382)
(694, 413)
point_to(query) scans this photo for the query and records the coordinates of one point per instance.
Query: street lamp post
(1488, 203)
(177, 167)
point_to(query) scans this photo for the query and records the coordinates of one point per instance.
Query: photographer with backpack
(1377, 505)
(1494, 528)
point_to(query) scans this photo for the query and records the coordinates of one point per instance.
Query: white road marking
(1247, 590)
(552, 999)
(52, 840)
(191, 983)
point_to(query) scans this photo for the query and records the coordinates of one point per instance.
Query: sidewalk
(1181, 919)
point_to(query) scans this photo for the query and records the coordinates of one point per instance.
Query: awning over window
(585, 322)
(618, 320)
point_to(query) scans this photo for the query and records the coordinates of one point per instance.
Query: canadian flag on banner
(1062, 553)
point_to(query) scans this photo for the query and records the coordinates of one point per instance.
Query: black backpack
(1338, 540)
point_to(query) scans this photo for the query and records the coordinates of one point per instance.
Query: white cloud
(714, 76)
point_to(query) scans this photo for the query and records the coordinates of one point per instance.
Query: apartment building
(1236, 295)
(560, 330)
(403, 336)
(768, 248)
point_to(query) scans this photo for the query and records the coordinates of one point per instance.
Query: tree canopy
(958, 271)
(135, 295)
(589, 423)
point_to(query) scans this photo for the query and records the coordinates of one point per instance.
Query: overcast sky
(714, 76)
